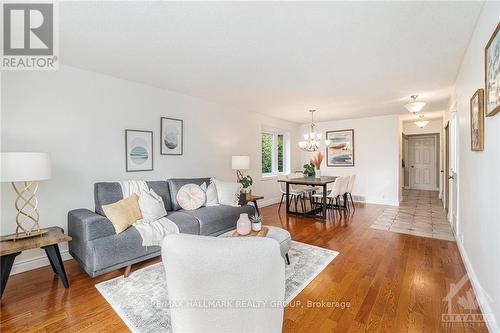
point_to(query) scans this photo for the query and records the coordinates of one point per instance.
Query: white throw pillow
(191, 197)
(151, 205)
(228, 193)
(211, 191)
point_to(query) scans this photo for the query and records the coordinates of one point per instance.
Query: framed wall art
(172, 136)
(340, 150)
(477, 121)
(492, 74)
(138, 150)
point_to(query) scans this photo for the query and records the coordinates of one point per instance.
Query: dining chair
(308, 190)
(350, 186)
(336, 191)
(295, 194)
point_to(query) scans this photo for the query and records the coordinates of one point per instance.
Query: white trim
(269, 202)
(29, 264)
(481, 294)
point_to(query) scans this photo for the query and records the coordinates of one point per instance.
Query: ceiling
(345, 59)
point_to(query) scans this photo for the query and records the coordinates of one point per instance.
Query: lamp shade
(18, 167)
(240, 162)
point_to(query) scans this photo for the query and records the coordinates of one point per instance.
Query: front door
(422, 151)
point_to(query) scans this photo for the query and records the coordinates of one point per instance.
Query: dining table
(313, 182)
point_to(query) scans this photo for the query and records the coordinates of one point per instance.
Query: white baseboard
(481, 295)
(35, 262)
(269, 202)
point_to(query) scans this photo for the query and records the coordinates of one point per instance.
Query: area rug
(138, 299)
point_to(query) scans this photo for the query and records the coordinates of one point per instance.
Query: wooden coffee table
(10, 249)
(261, 233)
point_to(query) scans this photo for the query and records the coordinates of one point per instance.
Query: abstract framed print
(492, 74)
(138, 150)
(172, 136)
(477, 121)
(340, 150)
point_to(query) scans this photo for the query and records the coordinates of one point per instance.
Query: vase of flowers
(256, 222)
(316, 161)
(243, 226)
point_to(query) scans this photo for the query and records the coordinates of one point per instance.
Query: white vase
(318, 174)
(256, 226)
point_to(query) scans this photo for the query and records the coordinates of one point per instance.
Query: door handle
(412, 166)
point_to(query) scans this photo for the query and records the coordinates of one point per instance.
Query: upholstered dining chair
(348, 192)
(295, 193)
(338, 188)
(211, 282)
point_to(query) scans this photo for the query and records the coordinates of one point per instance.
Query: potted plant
(256, 222)
(309, 170)
(246, 182)
(316, 161)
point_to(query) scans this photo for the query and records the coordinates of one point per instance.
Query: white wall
(376, 144)
(434, 126)
(478, 175)
(79, 117)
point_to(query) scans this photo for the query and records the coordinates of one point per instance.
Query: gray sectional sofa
(98, 249)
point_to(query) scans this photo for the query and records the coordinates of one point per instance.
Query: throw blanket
(152, 232)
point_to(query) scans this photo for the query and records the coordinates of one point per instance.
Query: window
(274, 153)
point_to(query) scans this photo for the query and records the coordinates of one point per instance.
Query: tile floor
(421, 213)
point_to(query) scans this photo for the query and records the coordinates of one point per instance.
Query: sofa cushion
(217, 219)
(110, 251)
(175, 185)
(161, 188)
(105, 194)
(187, 224)
(123, 213)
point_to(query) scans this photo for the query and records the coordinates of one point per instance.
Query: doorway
(446, 168)
(423, 158)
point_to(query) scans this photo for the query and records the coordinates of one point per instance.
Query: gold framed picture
(477, 121)
(492, 74)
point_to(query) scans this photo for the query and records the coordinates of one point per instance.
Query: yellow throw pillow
(123, 213)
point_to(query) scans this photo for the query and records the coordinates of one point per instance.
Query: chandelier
(421, 123)
(415, 106)
(312, 140)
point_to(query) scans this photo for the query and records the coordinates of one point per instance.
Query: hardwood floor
(391, 282)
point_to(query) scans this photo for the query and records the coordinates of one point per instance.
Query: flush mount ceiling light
(414, 105)
(311, 141)
(421, 123)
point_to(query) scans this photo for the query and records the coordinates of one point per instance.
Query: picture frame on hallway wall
(477, 121)
(138, 150)
(171, 136)
(340, 150)
(492, 74)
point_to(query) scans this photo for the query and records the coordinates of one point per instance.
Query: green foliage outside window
(280, 152)
(267, 153)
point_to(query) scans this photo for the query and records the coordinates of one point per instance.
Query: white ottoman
(282, 236)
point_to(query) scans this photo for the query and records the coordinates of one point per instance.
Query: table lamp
(240, 163)
(23, 170)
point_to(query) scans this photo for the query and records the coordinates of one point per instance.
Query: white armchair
(226, 270)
